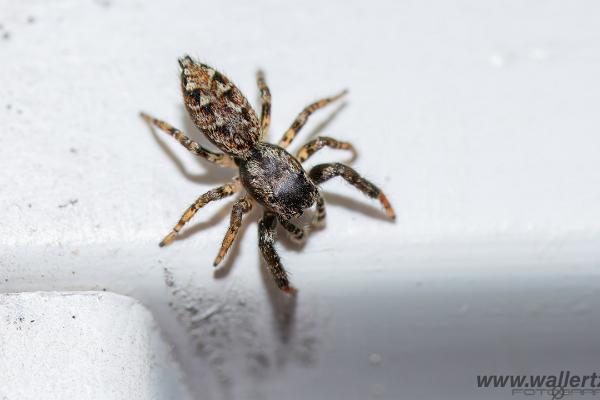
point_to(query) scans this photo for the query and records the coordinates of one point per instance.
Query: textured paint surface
(478, 119)
(84, 345)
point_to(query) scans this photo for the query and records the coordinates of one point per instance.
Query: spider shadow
(355, 205)
(283, 305)
(320, 127)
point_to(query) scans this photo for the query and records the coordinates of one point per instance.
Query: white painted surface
(83, 345)
(479, 119)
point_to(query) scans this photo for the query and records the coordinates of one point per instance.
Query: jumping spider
(269, 175)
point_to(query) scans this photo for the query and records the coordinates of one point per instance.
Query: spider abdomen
(218, 108)
(277, 180)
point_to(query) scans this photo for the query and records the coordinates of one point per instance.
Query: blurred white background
(479, 119)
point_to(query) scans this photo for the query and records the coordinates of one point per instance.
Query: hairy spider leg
(296, 234)
(240, 207)
(301, 119)
(266, 243)
(265, 96)
(217, 158)
(321, 213)
(214, 194)
(317, 144)
(323, 172)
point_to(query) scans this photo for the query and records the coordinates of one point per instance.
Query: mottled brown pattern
(270, 176)
(218, 108)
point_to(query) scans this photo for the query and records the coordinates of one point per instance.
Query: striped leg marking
(265, 96)
(301, 119)
(321, 213)
(296, 234)
(214, 194)
(323, 172)
(192, 146)
(266, 243)
(240, 207)
(317, 144)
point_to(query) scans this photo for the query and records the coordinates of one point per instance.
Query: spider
(269, 175)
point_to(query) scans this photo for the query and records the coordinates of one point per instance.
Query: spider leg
(214, 194)
(301, 119)
(296, 234)
(266, 243)
(317, 144)
(323, 172)
(319, 219)
(265, 96)
(240, 207)
(192, 146)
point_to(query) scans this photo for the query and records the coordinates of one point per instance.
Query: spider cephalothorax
(276, 180)
(268, 174)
